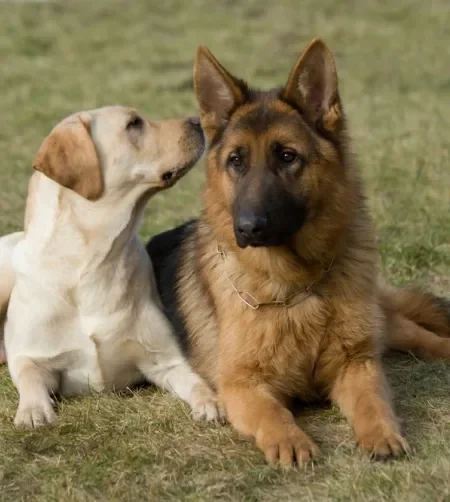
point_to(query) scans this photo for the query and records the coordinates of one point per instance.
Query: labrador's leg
(7, 279)
(34, 385)
(177, 377)
(163, 364)
(2, 337)
(2, 348)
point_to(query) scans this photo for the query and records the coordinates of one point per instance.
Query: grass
(58, 57)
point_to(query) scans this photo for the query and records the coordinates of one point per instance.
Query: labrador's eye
(135, 123)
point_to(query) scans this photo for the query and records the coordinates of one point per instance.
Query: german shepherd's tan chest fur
(289, 348)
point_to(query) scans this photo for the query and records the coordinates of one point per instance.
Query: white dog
(83, 312)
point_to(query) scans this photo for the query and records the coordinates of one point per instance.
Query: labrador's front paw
(205, 405)
(35, 414)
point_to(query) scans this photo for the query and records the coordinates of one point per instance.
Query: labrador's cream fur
(82, 307)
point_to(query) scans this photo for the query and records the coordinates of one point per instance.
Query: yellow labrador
(83, 310)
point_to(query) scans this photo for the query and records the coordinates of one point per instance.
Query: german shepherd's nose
(251, 228)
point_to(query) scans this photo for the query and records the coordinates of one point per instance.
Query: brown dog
(274, 290)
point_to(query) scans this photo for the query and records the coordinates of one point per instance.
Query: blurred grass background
(394, 66)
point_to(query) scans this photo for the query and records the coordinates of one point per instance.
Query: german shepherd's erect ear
(218, 92)
(312, 87)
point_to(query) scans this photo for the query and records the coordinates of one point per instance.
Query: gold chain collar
(288, 302)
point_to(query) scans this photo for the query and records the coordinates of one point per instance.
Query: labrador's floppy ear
(68, 156)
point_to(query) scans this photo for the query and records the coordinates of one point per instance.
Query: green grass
(393, 62)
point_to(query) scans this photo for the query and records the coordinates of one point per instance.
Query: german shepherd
(274, 291)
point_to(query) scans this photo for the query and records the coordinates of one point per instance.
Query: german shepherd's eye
(286, 156)
(135, 123)
(235, 161)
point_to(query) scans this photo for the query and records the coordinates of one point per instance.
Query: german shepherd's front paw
(286, 447)
(381, 443)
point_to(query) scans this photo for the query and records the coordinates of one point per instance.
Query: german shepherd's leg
(361, 392)
(255, 411)
(407, 336)
(422, 308)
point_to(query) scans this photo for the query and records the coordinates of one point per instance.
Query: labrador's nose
(194, 122)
